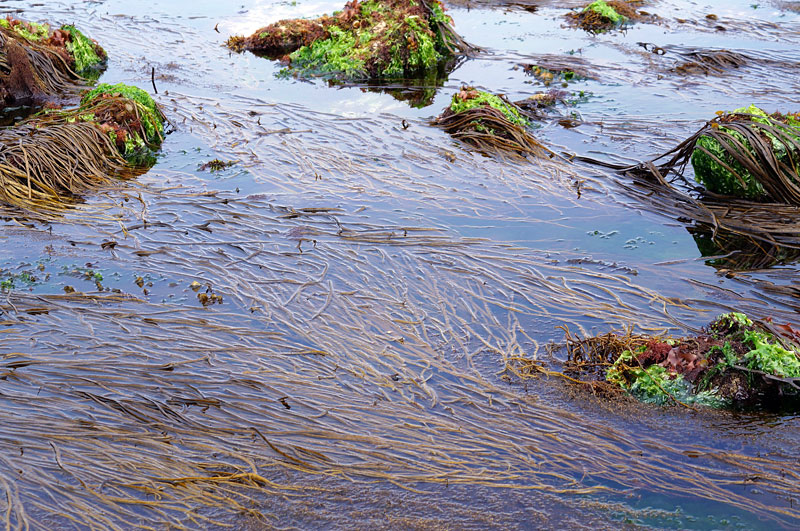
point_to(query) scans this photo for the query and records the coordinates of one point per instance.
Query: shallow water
(375, 282)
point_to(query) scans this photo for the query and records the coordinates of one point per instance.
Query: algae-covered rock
(88, 56)
(733, 362)
(733, 168)
(377, 39)
(600, 16)
(129, 116)
(469, 98)
(40, 64)
(82, 54)
(60, 153)
(490, 123)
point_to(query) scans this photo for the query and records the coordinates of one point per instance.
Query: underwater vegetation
(734, 362)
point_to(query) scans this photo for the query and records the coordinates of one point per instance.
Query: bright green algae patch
(715, 177)
(387, 43)
(605, 10)
(83, 50)
(482, 99)
(656, 385)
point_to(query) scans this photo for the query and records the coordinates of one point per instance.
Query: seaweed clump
(490, 123)
(376, 39)
(38, 64)
(601, 16)
(129, 116)
(50, 158)
(734, 362)
(751, 155)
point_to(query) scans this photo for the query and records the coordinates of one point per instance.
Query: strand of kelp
(290, 140)
(279, 144)
(136, 382)
(762, 237)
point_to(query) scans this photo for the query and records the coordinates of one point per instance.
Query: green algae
(348, 52)
(31, 31)
(82, 50)
(767, 355)
(605, 10)
(657, 385)
(152, 119)
(715, 177)
(723, 373)
(482, 99)
(342, 53)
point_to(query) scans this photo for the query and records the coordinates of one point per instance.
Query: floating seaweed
(490, 123)
(215, 165)
(38, 64)
(377, 39)
(57, 154)
(734, 362)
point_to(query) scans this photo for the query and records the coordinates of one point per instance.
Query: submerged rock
(735, 362)
(377, 39)
(748, 152)
(38, 63)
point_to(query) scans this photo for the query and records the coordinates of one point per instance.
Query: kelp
(746, 154)
(600, 16)
(708, 62)
(753, 154)
(38, 64)
(377, 39)
(50, 158)
(734, 362)
(489, 123)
